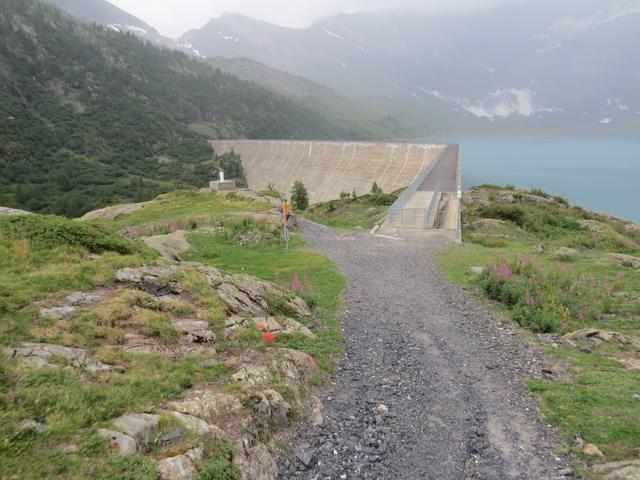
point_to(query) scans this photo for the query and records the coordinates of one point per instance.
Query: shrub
(47, 232)
(299, 196)
(375, 189)
(249, 232)
(219, 467)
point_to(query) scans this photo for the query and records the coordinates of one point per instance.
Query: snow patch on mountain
(542, 51)
(118, 27)
(334, 35)
(501, 103)
(228, 38)
(576, 26)
(605, 121)
(138, 30)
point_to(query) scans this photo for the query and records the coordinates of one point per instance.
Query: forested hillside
(90, 117)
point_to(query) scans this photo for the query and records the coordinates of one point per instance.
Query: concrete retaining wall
(328, 168)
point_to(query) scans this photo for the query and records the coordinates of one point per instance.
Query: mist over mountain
(535, 67)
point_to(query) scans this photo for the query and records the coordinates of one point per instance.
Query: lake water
(602, 175)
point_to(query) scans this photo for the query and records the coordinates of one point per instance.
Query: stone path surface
(449, 374)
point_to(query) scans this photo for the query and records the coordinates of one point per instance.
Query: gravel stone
(450, 374)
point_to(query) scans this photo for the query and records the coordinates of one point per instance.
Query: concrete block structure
(329, 168)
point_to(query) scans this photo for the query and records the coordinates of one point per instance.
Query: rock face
(170, 246)
(126, 445)
(48, 355)
(626, 260)
(112, 213)
(625, 470)
(265, 324)
(207, 404)
(241, 293)
(506, 197)
(566, 252)
(142, 427)
(632, 228)
(247, 294)
(256, 463)
(74, 301)
(181, 467)
(13, 212)
(194, 331)
(598, 336)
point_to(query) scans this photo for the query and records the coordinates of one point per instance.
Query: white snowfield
(329, 168)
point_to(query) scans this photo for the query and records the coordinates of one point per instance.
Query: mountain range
(527, 67)
(91, 116)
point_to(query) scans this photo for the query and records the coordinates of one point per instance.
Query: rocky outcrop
(625, 470)
(565, 252)
(246, 294)
(626, 260)
(194, 331)
(241, 293)
(126, 445)
(632, 228)
(72, 302)
(142, 427)
(265, 324)
(181, 467)
(170, 246)
(598, 336)
(57, 356)
(209, 404)
(113, 213)
(13, 212)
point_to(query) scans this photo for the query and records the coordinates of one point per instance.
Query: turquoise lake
(602, 175)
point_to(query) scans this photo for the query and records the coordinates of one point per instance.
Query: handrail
(408, 193)
(433, 205)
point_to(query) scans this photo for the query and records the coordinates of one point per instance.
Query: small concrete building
(223, 185)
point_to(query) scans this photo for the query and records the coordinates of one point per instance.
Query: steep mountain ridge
(93, 116)
(507, 68)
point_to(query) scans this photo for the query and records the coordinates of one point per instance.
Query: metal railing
(399, 214)
(413, 188)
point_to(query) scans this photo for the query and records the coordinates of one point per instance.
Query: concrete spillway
(329, 168)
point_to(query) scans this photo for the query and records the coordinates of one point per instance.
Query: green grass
(275, 264)
(183, 204)
(598, 405)
(42, 255)
(72, 408)
(545, 293)
(45, 258)
(363, 212)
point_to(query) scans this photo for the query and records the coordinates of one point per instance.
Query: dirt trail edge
(450, 374)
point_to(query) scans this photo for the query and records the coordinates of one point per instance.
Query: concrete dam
(429, 172)
(329, 168)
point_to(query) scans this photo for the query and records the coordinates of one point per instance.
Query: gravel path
(449, 373)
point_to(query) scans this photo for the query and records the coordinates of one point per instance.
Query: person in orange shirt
(286, 210)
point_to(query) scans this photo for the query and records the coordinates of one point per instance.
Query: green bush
(219, 466)
(47, 232)
(299, 196)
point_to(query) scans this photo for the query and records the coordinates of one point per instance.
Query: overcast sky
(174, 17)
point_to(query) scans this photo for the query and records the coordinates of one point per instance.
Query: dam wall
(329, 168)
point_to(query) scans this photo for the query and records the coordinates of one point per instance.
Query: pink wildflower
(506, 272)
(297, 285)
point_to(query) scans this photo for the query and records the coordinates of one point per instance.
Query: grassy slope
(562, 294)
(350, 214)
(46, 257)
